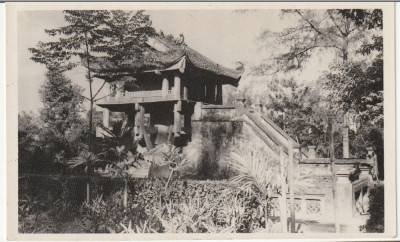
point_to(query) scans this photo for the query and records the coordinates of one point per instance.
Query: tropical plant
(87, 160)
(123, 169)
(168, 154)
(256, 172)
(142, 227)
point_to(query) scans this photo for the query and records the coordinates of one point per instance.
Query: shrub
(376, 221)
(109, 215)
(188, 206)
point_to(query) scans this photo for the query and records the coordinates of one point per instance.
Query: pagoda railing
(157, 93)
(140, 96)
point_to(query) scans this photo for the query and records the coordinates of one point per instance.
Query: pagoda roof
(171, 56)
(191, 57)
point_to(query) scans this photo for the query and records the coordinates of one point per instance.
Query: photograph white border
(12, 114)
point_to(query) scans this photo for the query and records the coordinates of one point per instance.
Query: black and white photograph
(231, 120)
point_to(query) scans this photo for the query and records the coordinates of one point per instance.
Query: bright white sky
(224, 36)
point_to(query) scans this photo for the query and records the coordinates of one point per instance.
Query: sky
(225, 36)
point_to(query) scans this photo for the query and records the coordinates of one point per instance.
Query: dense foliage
(58, 132)
(376, 221)
(349, 92)
(186, 206)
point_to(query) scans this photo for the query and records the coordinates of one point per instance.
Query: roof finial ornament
(181, 39)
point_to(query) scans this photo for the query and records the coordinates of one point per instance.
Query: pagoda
(161, 104)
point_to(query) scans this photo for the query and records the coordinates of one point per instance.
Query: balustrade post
(283, 198)
(291, 188)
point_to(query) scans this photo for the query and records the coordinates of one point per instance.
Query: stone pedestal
(344, 198)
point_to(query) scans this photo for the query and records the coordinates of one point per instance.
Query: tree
(316, 31)
(358, 85)
(125, 46)
(87, 33)
(31, 157)
(77, 40)
(47, 139)
(355, 87)
(61, 113)
(350, 85)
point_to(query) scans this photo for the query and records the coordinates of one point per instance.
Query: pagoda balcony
(140, 97)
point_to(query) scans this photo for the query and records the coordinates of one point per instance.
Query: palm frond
(255, 170)
(84, 159)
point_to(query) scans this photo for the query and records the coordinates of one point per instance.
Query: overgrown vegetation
(186, 206)
(376, 221)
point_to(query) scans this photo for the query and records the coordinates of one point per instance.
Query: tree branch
(309, 22)
(69, 89)
(334, 22)
(108, 94)
(99, 90)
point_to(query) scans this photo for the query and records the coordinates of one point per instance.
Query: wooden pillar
(177, 87)
(219, 94)
(204, 96)
(165, 87)
(177, 118)
(185, 92)
(106, 118)
(210, 91)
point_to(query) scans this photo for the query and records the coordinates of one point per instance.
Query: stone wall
(214, 130)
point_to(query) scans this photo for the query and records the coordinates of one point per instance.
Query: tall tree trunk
(266, 216)
(89, 165)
